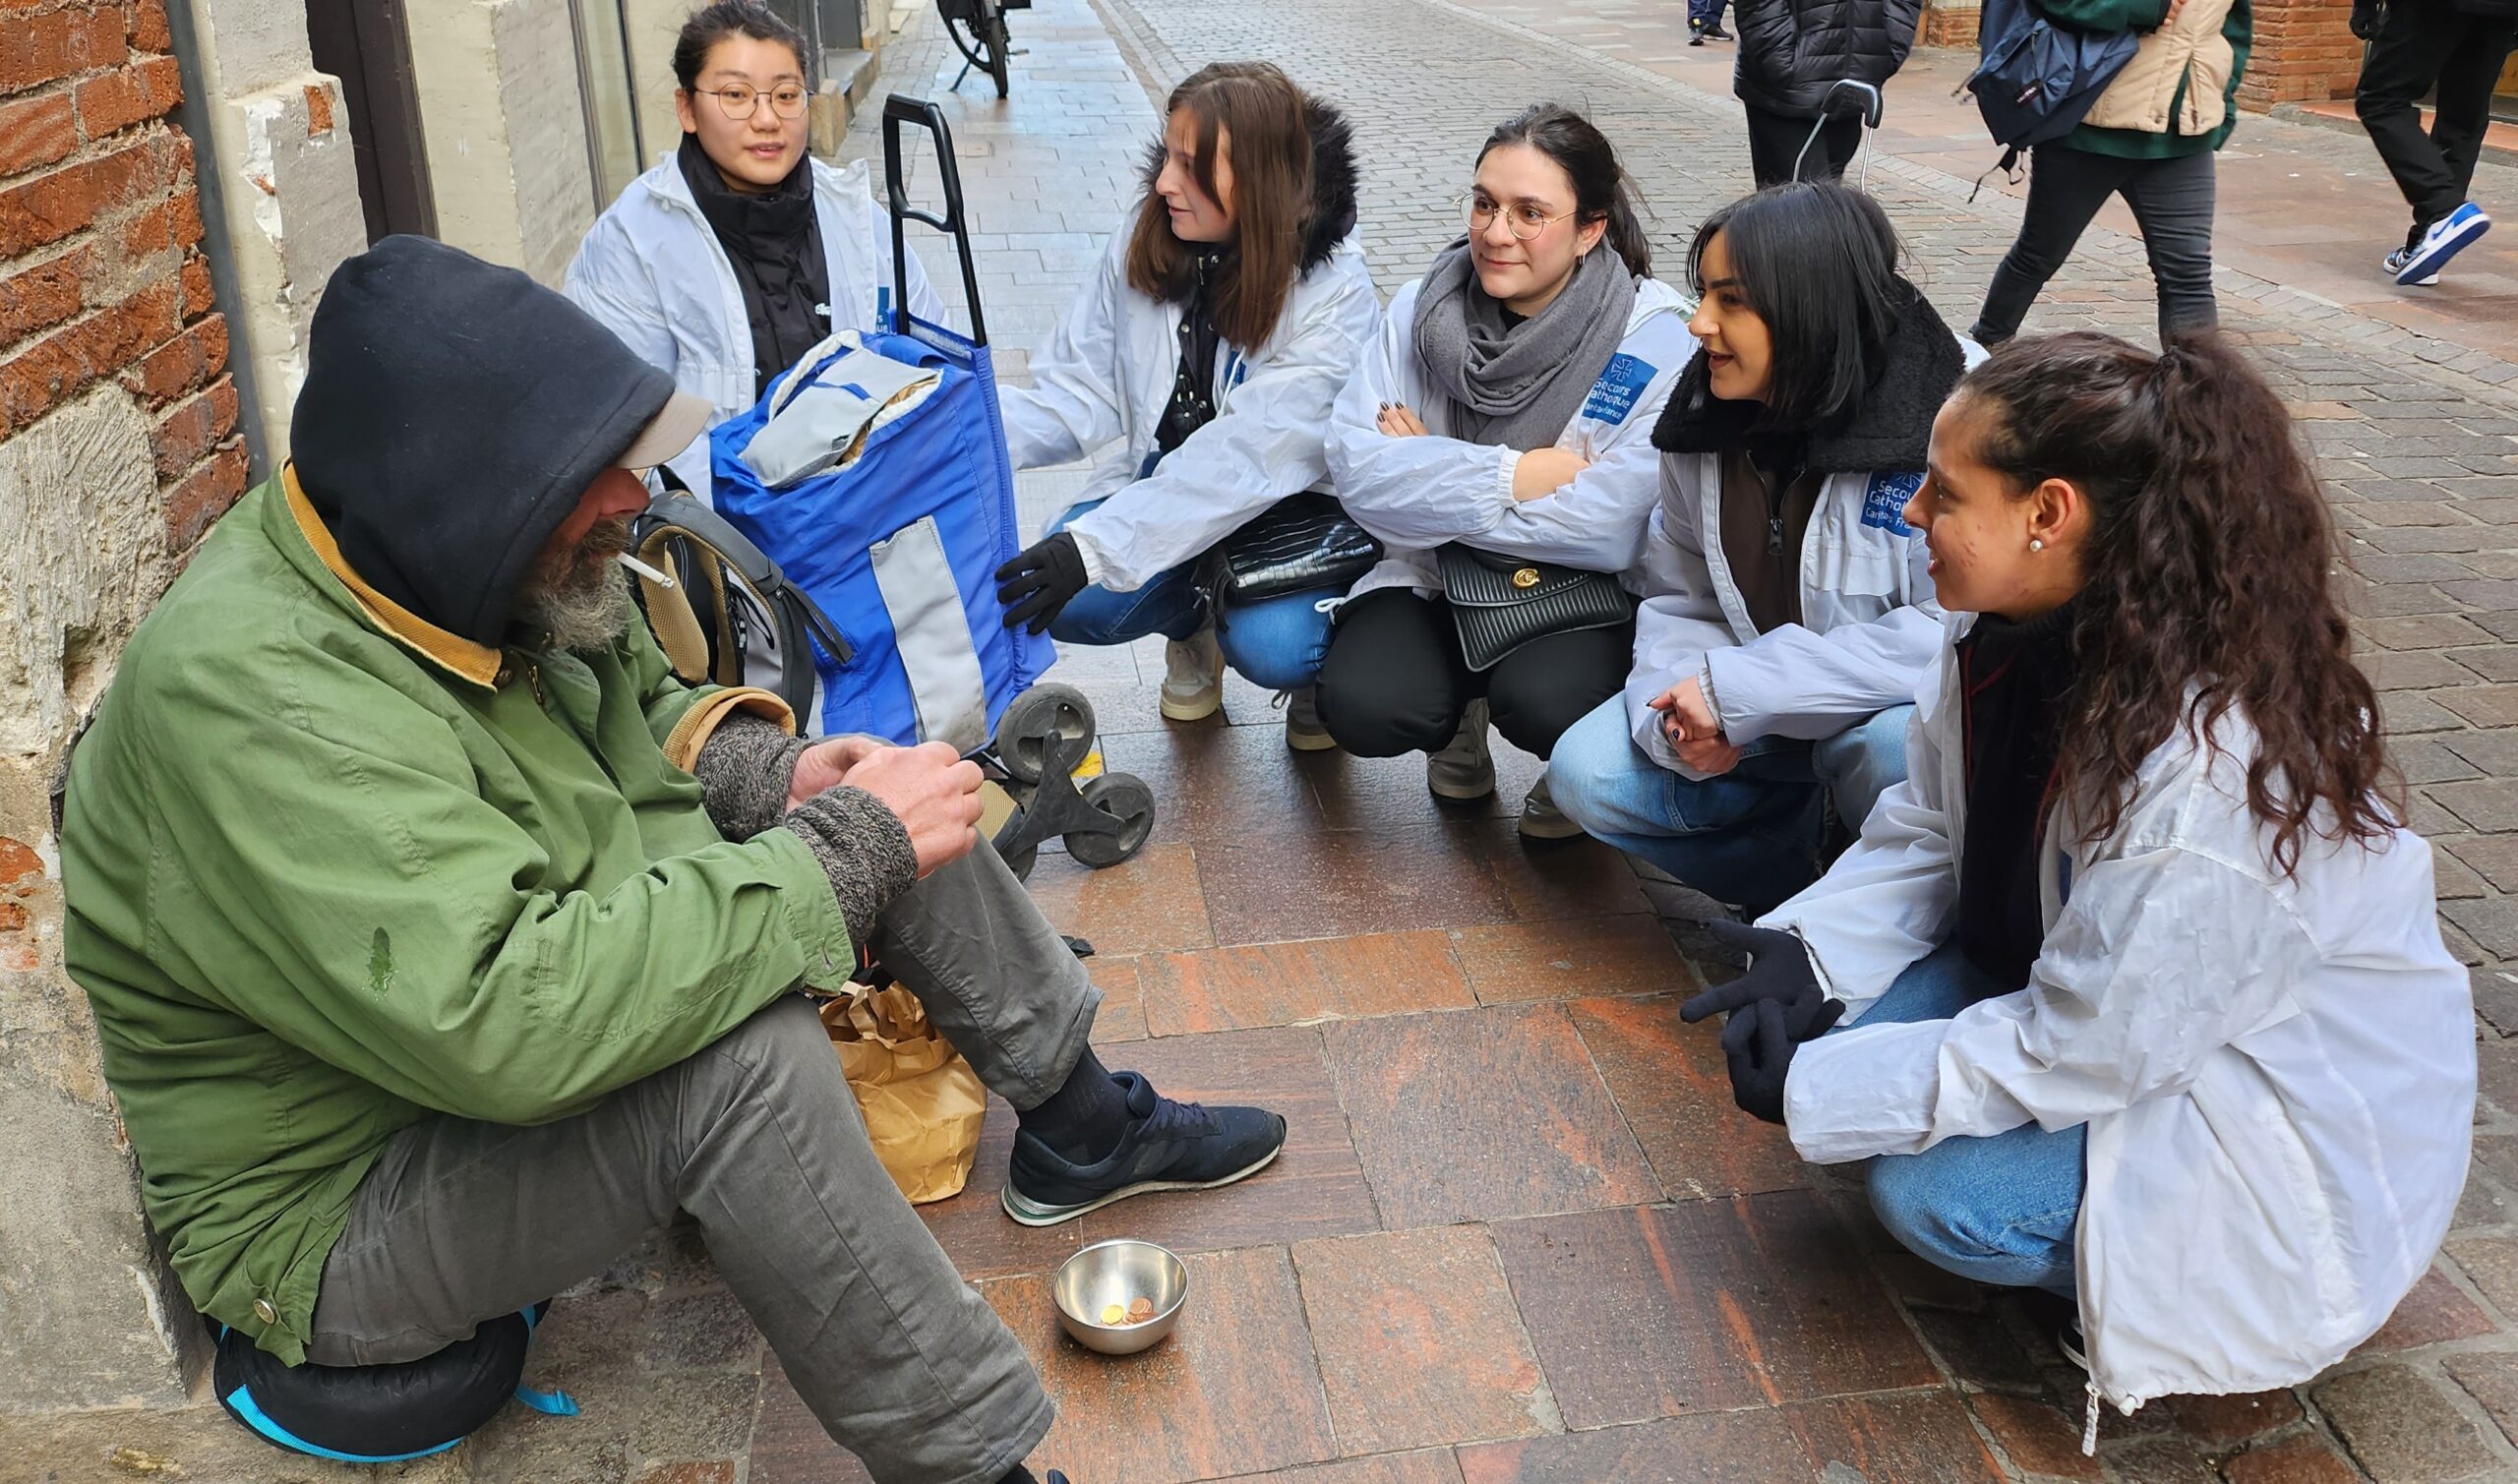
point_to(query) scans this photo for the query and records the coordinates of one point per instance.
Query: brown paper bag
(922, 1102)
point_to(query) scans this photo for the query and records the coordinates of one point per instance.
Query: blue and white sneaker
(1167, 1146)
(2446, 238)
(2395, 264)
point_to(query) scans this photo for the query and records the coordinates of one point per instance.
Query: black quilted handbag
(1501, 603)
(1303, 540)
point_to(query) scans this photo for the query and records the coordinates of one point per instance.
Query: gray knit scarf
(1517, 387)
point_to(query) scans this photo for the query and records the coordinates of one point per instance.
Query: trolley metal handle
(899, 109)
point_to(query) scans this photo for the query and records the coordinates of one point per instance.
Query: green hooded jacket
(331, 869)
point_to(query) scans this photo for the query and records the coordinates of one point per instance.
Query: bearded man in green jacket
(442, 943)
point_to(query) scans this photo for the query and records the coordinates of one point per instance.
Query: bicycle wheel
(1001, 47)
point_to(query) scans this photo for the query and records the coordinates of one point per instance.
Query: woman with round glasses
(739, 253)
(1498, 434)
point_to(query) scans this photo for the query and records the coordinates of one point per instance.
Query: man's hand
(825, 765)
(1544, 471)
(1695, 733)
(1397, 421)
(932, 791)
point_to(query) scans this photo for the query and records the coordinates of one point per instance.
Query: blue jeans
(1999, 1209)
(1277, 643)
(1750, 836)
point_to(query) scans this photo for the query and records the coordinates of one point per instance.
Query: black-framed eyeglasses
(1522, 218)
(738, 101)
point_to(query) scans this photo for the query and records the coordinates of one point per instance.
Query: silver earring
(2036, 545)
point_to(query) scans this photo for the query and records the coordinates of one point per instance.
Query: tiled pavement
(1519, 1233)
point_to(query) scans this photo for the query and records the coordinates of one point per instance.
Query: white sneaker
(1464, 769)
(1542, 819)
(1303, 731)
(1192, 676)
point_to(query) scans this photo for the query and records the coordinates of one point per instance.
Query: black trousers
(1775, 141)
(1394, 682)
(2426, 43)
(2171, 201)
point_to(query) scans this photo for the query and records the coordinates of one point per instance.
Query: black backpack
(2035, 79)
(381, 1413)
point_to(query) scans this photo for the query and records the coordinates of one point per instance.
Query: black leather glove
(1779, 973)
(1040, 579)
(2369, 18)
(1759, 1051)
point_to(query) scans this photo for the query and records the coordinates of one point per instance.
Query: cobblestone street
(1518, 1233)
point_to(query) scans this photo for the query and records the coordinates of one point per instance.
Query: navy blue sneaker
(1168, 1145)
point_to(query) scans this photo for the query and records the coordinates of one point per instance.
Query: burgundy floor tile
(1338, 882)
(1148, 902)
(2224, 1420)
(973, 1227)
(2436, 1310)
(1559, 879)
(1315, 1188)
(1417, 1340)
(1669, 1080)
(1234, 1389)
(1703, 1306)
(1121, 1016)
(1921, 1438)
(2039, 1437)
(1233, 782)
(1473, 1114)
(1434, 1465)
(2303, 1460)
(1298, 982)
(1561, 958)
(1713, 1448)
(1390, 792)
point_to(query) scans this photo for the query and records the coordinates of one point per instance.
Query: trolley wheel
(1046, 727)
(1125, 799)
(1022, 861)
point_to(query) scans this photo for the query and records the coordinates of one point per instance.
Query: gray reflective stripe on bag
(818, 425)
(933, 634)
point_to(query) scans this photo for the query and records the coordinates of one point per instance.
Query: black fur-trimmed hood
(1334, 180)
(1888, 429)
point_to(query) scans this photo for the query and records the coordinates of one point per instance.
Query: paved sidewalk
(1519, 1233)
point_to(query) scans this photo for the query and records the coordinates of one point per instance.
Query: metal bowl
(1118, 1271)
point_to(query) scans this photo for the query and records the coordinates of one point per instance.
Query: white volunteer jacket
(1414, 494)
(2277, 1075)
(1106, 375)
(653, 273)
(1870, 625)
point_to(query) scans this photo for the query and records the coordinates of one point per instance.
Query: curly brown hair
(2207, 582)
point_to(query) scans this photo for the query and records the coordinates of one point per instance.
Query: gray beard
(581, 600)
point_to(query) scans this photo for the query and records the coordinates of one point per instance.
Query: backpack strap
(695, 624)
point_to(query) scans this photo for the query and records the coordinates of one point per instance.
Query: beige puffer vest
(2188, 49)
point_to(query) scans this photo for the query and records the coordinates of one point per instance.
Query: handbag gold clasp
(1527, 576)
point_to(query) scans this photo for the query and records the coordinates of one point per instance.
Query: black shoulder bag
(1501, 603)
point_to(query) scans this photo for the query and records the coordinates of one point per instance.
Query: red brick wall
(101, 273)
(1947, 27)
(2304, 51)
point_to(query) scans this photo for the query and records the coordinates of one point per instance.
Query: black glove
(1040, 580)
(2369, 18)
(1758, 1053)
(1779, 973)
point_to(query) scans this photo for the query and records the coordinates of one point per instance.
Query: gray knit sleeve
(744, 769)
(862, 846)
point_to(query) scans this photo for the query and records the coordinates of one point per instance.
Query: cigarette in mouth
(644, 571)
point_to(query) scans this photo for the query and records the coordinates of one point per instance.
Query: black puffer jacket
(1791, 50)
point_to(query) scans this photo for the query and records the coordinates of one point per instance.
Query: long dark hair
(1268, 117)
(1817, 261)
(1601, 187)
(2207, 568)
(712, 23)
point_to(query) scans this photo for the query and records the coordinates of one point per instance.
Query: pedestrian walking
(2149, 137)
(1791, 52)
(2151, 1008)
(1497, 438)
(1197, 367)
(2457, 47)
(1705, 21)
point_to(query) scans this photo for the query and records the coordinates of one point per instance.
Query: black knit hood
(1334, 180)
(1889, 429)
(453, 413)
